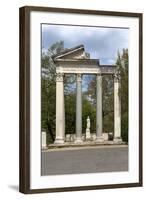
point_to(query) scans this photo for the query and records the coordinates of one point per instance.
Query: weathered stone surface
(74, 66)
(60, 114)
(105, 136)
(117, 109)
(68, 137)
(99, 137)
(44, 140)
(78, 108)
(77, 52)
(93, 136)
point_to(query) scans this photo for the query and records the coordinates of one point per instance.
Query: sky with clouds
(101, 42)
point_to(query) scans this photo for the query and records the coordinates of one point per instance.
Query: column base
(59, 141)
(118, 139)
(44, 148)
(99, 139)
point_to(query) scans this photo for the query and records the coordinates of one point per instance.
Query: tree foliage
(48, 94)
(88, 110)
(107, 104)
(48, 90)
(108, 96)
(122, 64)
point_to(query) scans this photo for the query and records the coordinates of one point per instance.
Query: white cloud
(100, 42)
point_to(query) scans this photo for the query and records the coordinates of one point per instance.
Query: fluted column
(117, 109)
(99, 108)
(60, 113)
(78, 108)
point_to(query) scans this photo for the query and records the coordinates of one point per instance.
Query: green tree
(108, 96)
(107, 100)
(48, 90)
(70, 112)
(88, 110)
(48, 94)
(107, 104)
(122, 64)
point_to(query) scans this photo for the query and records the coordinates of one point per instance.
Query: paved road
(97, 159)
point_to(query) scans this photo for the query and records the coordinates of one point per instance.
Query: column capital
(59, 77)
(99, 76)
(117, 76)
(79, 77)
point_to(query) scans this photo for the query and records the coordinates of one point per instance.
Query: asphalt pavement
(84, 160)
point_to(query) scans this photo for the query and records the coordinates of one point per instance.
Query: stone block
(44, 140)
(105, 136)
(68, 137)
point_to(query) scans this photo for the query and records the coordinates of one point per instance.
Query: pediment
(77, 52)
(76, 60)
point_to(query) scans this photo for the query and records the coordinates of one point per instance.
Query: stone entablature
(86, 66)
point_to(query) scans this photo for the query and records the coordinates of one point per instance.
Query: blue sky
(101, 43)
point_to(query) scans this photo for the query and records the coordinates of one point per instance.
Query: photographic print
(84, 99)
(80, 99)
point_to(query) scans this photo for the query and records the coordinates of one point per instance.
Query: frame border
(24, 99)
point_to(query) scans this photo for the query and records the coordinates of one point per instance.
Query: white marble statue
(88, 123)
(88, 136)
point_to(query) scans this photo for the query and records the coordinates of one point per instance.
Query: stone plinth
(105, 136)
(44, 140)
(88, 135)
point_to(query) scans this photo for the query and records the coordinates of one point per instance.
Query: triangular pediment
(77, 52)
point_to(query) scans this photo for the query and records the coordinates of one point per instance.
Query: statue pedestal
(88, 135)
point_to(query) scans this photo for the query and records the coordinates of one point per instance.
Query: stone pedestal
(93, 137)
(78, 109)
(88, 135)
(117, 109)
(68, 138)
(60, 113)
(105, 136)
(44, 140)
(99, 137)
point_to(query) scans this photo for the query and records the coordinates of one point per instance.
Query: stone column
(117, 109)
(99, 108)
(60, 113)
(78, 108)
